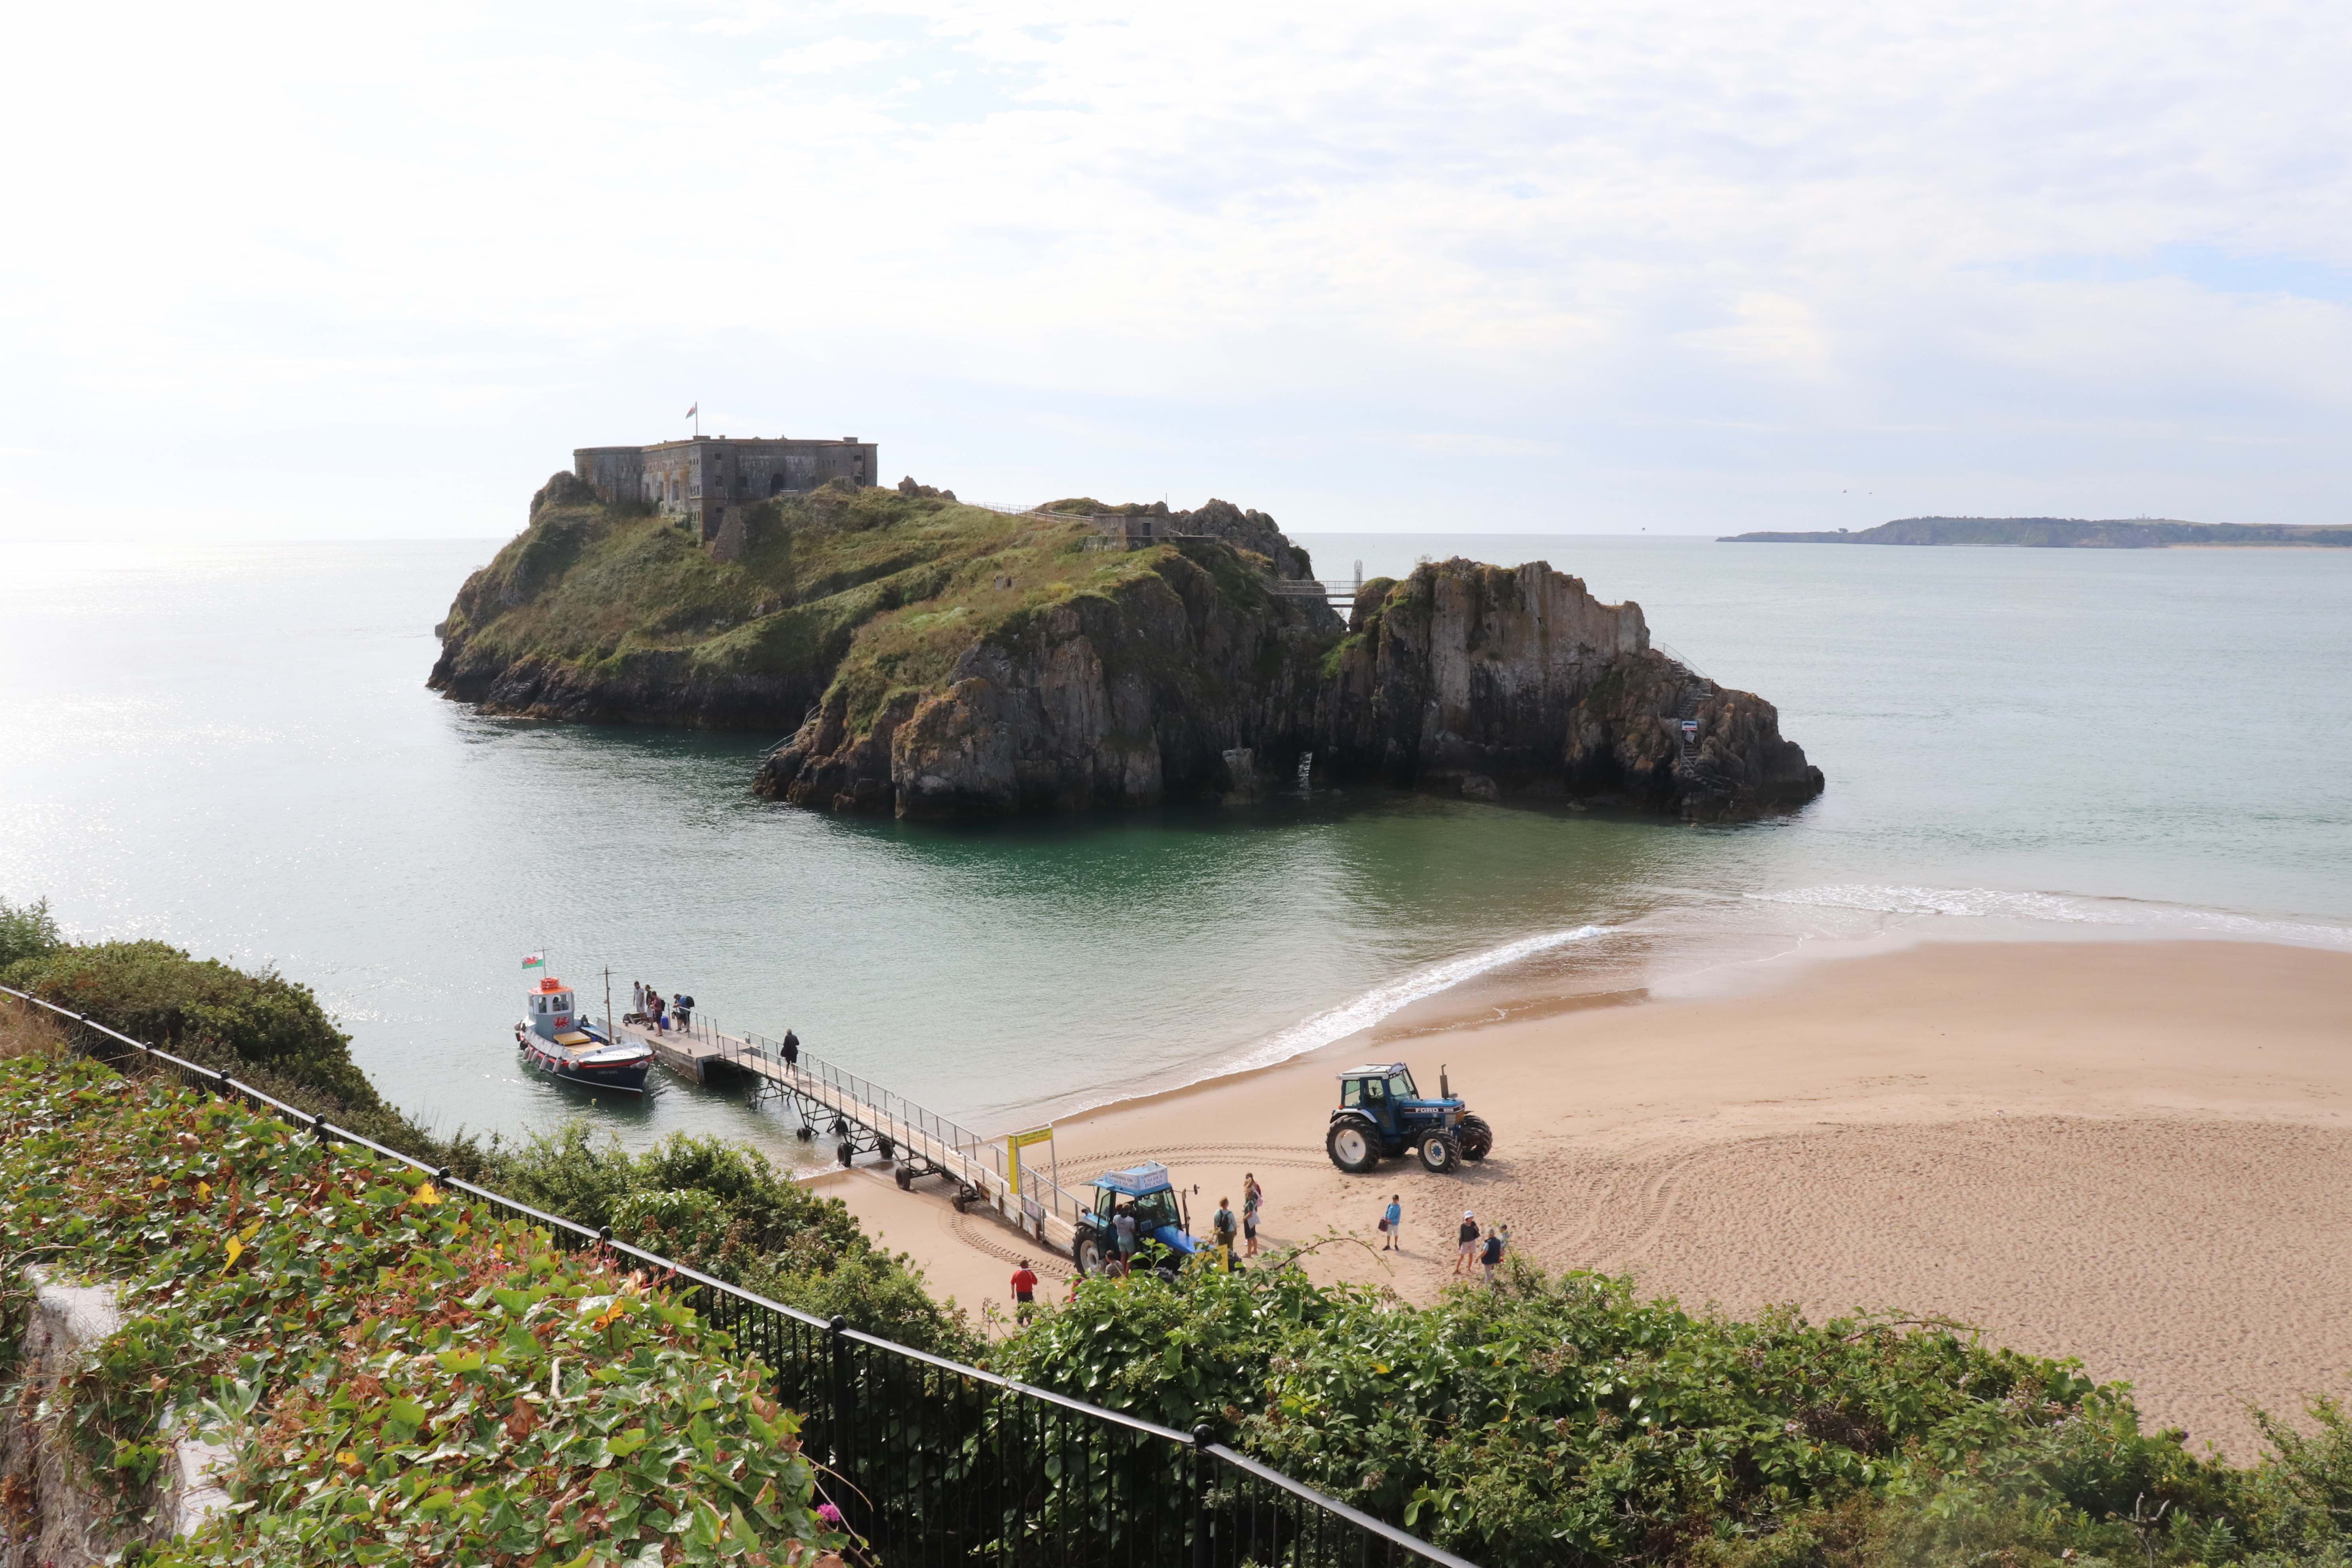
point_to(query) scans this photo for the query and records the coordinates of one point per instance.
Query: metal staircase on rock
(1702, 775)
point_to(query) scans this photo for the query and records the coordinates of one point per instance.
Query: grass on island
(872, 591)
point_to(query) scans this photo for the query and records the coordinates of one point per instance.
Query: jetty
(863, 1118)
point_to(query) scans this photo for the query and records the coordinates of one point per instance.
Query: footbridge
(863, 1118)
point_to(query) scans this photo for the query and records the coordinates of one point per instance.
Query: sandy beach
(2137, 1154)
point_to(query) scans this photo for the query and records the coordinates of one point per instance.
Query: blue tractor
(1160, 1216)
(1383, 1115)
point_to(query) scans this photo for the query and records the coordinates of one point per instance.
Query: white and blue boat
(555, 1039)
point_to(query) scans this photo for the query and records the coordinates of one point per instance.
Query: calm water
(232, 747)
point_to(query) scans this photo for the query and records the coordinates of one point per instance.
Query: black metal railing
(934, 1462)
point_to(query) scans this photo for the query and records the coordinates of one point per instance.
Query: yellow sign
(1016, 1142)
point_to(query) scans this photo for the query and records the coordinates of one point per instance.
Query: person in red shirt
(1025, 1291)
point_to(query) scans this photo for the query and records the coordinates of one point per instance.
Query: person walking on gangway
(792, 1050)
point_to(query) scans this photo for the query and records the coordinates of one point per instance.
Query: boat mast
(610, 1036)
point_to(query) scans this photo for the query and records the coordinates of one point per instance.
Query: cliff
(2059, 533)
(1119, 691)
(1496, 681)
(934, 659)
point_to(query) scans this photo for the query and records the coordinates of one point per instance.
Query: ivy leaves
(403, 1377)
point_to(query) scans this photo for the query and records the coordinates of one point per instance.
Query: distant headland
(2060, 533)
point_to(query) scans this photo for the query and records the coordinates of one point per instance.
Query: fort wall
(698, 479)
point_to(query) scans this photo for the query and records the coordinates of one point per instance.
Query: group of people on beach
(1224, 1226)
(655, 1012)
(1472, 1248)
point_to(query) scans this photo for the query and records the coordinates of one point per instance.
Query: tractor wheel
(1354, 1146)
(843, 1152)
(905, 1177)
(1478, 1138)
(886, 1148)
(1086, 1251)
(1440, 1153)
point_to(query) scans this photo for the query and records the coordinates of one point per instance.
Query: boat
(555, 1039)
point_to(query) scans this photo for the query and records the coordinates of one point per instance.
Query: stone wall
(51, 1514)
(698, 479)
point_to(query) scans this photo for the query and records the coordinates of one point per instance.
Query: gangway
(866, 1118)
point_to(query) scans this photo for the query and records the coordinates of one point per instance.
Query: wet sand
(2137, 1154)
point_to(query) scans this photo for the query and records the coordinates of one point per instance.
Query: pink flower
(829, 1515)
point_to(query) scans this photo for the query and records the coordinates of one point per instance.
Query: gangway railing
(887, 1122)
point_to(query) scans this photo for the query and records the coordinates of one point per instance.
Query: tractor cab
(1160, 1215)
(1387, 1097)
(1382, 1114)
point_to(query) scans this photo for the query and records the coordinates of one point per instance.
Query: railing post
(1204, 1525)
(837, 1338)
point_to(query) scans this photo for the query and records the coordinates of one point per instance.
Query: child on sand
(1392, 1224)
(1253, 1199)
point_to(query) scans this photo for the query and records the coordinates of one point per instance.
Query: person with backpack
(1223, 1225)
(1392, 1224)
(1490, 1255)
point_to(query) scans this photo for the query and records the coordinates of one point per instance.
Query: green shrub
(1566, 1420)
(720, 1208)
(26, 931)
(262, 1029)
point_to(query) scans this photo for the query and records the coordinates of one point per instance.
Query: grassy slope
(883, 591)
(401, 1377)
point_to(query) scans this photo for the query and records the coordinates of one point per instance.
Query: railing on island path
(941, 1463)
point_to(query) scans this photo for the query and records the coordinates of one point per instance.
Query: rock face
(1479, 680)
(1117, 699)
(1494, 682)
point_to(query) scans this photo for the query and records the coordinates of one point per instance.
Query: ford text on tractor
(1159, 1220)
(1382, 1115)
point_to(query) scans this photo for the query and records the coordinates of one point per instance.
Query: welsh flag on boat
(534, 961)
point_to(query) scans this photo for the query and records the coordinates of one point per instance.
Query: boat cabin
(549, 1010)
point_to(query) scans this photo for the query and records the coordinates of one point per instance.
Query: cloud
(1620, 241)
(830, 55)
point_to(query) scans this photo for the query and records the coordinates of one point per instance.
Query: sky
(289, 271)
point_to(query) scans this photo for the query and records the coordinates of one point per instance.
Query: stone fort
(698, 479)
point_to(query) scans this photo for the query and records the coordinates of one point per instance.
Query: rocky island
(933, 658)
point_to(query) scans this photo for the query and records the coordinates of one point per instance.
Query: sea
(231, 747)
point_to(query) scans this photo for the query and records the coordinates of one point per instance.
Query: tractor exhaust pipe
(1445, 1086)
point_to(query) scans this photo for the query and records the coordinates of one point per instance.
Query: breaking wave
(1364, 1011)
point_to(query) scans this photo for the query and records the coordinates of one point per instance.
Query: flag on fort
(534, 961)
(690, 412)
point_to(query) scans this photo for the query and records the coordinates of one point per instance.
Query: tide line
(1364, 1011)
